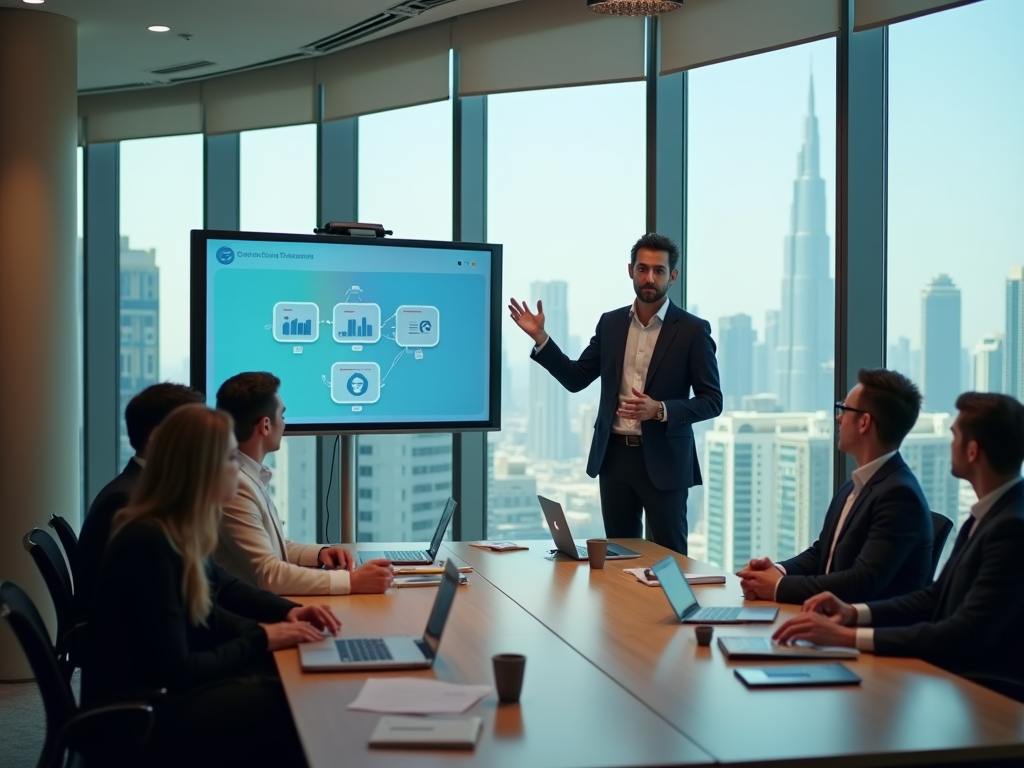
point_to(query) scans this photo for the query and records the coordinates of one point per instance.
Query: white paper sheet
(416, 696)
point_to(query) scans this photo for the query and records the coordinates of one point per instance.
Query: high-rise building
(513, 511)
(988, 363)
(403, 484)
(803, 484)
(140, 329)
(926, 451)
(1013, 358)
(549, 402)
(898, 357)
(736, 338)
(940, 344)
(764, 355)
(807, 317)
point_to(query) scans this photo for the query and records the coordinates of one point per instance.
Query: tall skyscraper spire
(807, 320)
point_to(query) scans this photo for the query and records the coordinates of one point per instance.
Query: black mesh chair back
(50, 562)
(26, 623)
(942, 526)
(69, 541)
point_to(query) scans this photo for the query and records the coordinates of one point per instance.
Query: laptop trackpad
(404, 649)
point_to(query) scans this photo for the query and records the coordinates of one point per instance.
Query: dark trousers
(627, 491)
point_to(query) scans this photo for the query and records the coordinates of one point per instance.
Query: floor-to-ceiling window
(278, 194)
(161, 200)
(566, 199)
(956, 192)
(80, 326)
(405, 183)
(760, 250)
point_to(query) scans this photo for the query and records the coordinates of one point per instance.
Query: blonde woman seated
(154, 623)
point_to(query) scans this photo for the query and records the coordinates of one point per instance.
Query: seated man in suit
(971, 619)
(143, 416)
(252, 545)
(876, 541)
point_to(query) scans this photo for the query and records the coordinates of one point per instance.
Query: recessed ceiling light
(159, 28)
(34, 2)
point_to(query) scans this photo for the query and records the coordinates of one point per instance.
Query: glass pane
(956, 189)
(277, 171)
(760, 248)
(405, 480)
(565, 196)
(161, 199)
(79, 330)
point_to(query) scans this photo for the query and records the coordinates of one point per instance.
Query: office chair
(51, 565)
(72, 732)
(69, 541)
(942, 526)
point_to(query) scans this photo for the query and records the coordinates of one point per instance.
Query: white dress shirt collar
(660, 314)
(259, 473)
(139, 460)
(985, 503)
(862, 475)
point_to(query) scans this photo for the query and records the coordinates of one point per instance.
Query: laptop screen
(675, 586)
(442, 606)
(442, 526)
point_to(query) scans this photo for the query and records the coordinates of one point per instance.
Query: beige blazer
(253, 548)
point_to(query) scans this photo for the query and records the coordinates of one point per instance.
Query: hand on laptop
(336, 557)
(320, 616)
(829, 605)
(288, 634)
(373, 577)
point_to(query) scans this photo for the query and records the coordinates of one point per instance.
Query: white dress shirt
(865, 634)
(253, 548)
(640, 341)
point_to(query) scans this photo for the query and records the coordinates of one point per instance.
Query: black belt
(631, 440)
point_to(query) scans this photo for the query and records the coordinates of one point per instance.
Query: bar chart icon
(356, 323)
(296, 321)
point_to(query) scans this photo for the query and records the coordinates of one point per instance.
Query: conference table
(613, 679)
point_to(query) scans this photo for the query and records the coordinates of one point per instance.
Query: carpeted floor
(23, 723)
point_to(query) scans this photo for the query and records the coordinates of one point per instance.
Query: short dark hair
(248, 397)
(893, 401)
(996, 423)
(652, 241)
(151, 406)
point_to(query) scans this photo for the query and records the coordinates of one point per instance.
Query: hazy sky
(566, 178)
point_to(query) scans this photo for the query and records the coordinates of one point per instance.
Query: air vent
(396, 14)
(182, 67)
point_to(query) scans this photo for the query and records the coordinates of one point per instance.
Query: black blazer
(884, 549)
(683, 359)
(971, 620)
(139, 633)
(230, 593)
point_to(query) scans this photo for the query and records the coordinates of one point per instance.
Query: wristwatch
(661, 411)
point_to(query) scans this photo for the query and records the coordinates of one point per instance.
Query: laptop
(687, 609)
(335, 654)
(559, 528)
(417, 556)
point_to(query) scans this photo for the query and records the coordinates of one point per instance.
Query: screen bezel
(197, 331)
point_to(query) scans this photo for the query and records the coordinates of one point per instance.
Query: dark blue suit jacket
(884, 549)
(683, 360)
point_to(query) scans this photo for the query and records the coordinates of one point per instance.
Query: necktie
(961, 538)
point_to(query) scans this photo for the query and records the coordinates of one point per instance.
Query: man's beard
(658, 295)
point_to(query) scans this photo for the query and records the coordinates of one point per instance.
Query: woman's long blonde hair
(180, 491)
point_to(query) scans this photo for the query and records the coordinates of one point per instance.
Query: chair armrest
(126, 724)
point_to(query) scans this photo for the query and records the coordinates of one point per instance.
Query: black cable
(327, 496)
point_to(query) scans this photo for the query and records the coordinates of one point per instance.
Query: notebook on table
(765, 648)
(796, 675)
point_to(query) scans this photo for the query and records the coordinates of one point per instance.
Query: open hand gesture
(531, 323)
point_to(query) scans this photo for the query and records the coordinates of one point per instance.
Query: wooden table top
(905, 712)
(570, 715)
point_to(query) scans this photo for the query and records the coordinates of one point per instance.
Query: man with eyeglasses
(876, 541)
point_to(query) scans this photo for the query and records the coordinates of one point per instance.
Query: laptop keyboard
(405, 554)
(582, 551)
(717, 614)
(363, 650)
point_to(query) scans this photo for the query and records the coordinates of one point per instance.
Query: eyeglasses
(843, 407)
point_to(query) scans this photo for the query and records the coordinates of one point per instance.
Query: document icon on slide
(356, 323)
(355, 383)
(417, 326)
(296, 321)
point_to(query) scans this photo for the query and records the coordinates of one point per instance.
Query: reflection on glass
(277, 171)
(566, 199)
(404, 481)
(956, 165)
(760, 257)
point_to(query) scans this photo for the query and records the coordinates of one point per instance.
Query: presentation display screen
(366, 334)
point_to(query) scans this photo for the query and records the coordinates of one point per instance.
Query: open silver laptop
(560, 532)
(680, 596)
(417, 556)
(341, 654)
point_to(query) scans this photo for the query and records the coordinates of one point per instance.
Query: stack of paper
(497, 546)
(417, 696)
(649, 579)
